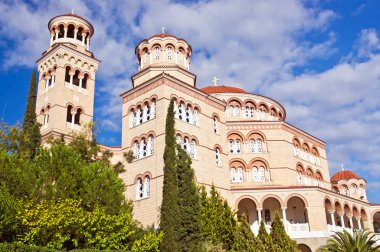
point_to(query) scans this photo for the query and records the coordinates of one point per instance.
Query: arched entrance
(248, 207)
(270, 206)
(296, 215)
(304, 248)
(376, 222)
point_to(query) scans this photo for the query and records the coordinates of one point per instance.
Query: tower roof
(73, 15)
(223, 89)
(344, 175)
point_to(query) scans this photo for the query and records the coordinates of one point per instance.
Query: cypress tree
(265, 239)
(31, 136)
(189, 205)
(279, 236)
(169, 211)
(245, 239)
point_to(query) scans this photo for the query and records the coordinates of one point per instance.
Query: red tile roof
(223, 89)
(344, 175)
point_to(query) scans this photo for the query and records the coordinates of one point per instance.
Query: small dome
(223, 89)
(344, 175)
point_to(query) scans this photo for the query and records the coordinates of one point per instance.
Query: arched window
(185, 145)
(146, 193)
(61, 32)
(354, 190)
(235, 146)
(178, 139)
(70, 31)
(188, 113)
(216, 131)
(299, 177)
(157, 53)
(69, 116)
(256, 146)
(261, 174)
(67, 74)
(192, 149)
(77, 117)
(240, 175)
(144, 148)
(217, 156)
(195, 116)
(345, 190)
(140, 188)
(79, 34)
(236, 174)
(76, 78)
(255, 174)
(249, 111)
(84, 81)
(170, 53)
(267, 218)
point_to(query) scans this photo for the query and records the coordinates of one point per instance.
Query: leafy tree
(217, 219)
(279, 236)
(189, 205)
(84, 142)
(31, 136)
(9, 137)
(266, 239)
(148, 243)
(245, 240)
(8, 209)
(360, 241)
(64, 224)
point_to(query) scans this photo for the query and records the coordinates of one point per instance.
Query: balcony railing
(306, 156)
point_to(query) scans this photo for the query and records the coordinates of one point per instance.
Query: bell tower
(65, 97)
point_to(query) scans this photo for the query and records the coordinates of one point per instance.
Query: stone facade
(238, 141)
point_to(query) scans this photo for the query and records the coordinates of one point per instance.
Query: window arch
(79, 34)
(157, 52)
(256, 143)
(77, 116)
(250, 108)
(61, 32)
(76, 78)
(260, 171)
(300, 174)
(354, 190)
(217, 156)
(216, 124)
(84, 80)
(67, 74)
(70, 31)
(69, 115)
(170, 52)
(143, 187)
(143, 113)
(144, 147)
(237, 174)
(345, 190)
(188, 144)
(186, 112)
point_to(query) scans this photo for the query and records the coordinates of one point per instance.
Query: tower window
(76, 78)
(170, 52)
(217, 156)
(77, 117)
(70, 31)
(67, 74)
(61, 32)
(69, 115)
(79, 34)
(143, 187)
(216, 125)
(157, 53)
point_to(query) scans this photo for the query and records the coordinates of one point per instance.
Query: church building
(237, 140)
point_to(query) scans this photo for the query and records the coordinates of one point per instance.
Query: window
(145, 57)
(143, 188)
(186, 114)
(216, 125)
(77, 117)
(144, 148)
(237, 174)
(69, 116)
(217, 156)
(299, 177)
(249, 112)
(345, 190)
(192, 149)
(157, 53)
(255, 174)
(143, 114)
(235, 146)
(170, 52)
(256, 146)
(267, 216)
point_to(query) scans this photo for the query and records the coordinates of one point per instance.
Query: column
(56, 35)
(259, 210)
(283, 214)
(88, 43)
(80, 84)
(72, 119)
(51, 38)
(342, 219)
(46, 84)
(176, 57)
(359, 223)
(53, 80)
(75, 34)
(350, 220)
(71, 79)
(65, 36)
(332, 218)
(83, 38)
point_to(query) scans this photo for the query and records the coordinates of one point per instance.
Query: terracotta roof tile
(222, 89)
(344, 175)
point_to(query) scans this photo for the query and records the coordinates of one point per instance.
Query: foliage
(9, 137)
(129, 156)
(169, 211)
(8, 209)
(148, 243)
(245, 240)
(119, 167)
(65, 224)
(84, 142)
(279, 236)
(31, 136)
(16, 247)
(266, 239)
(189, 204)
(360, 241)
(217, 219)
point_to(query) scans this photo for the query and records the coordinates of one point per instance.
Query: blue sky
(320, 59)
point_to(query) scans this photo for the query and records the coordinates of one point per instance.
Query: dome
(223, 89)
(344, 175)
(68, 15)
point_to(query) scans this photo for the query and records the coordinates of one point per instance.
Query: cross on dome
(215, 81)
(72, 11)
(163, 29)
(342, 165)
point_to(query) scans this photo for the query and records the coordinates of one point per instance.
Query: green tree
(169, 211)
(217, 219)
(279, 236)
(360, 241)
(9, 137)
(189, 205)
(31, 136)
(84, 142)
(266, 239)
(148, 243)
(8, 209)
(245, 240)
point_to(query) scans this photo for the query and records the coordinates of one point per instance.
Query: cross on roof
(163, 29)
(342, 165)
(215, 81)
(72, 11)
